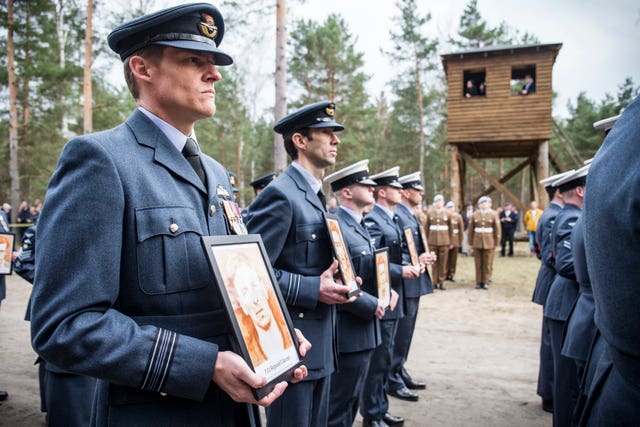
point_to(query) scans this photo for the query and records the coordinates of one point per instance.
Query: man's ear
(139, 68)
(299, 141)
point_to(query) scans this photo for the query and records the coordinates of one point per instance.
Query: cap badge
(207, 26)
(330, 110)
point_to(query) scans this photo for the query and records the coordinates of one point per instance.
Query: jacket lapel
(303, 186)
(165, 153)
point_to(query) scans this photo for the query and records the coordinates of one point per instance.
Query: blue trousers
(374, 402)
(346, 386)
(303, 404)
(565, 379)
(545, 371)
(402, 343)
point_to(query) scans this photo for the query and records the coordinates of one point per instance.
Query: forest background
(51, 48)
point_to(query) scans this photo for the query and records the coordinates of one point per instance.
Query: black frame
(11, 241)
(380, 253)
(227, 255)
(411, 245)
(345, 264)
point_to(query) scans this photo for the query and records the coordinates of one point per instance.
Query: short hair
(290, 147)
(153, 53)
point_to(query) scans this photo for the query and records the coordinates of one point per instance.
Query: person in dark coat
(128, 297)
(563, 294)
(358, 323)
(546, 274)
(289, 215)
(612, 244)
(509, 218)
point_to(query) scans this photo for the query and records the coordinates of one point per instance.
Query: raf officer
(563, 293)
(128, 297)
(400, 381)
(385, 229)
(289, 216)
(612, 244)
(439, 233)
(259, 184)
(546, 274)
(358, 322)
(484, 229)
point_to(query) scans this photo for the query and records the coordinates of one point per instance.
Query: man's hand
(380, 310)
(394, 300)
(427, 258)
(410, 271)
(234, 376)
(303, 347)
(332, 292)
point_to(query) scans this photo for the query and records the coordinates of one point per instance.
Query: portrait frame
(383, 283)
(341, 253)
(423, 237)
(263, 331)
(7, 241)
(411, 245)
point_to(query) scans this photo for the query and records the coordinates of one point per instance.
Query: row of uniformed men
(589, 363)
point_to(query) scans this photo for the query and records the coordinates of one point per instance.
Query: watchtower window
(473, 83)
(523, 79)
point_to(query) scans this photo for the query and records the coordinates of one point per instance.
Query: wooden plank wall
(500, 116)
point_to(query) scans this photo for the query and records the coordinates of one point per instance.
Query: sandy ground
(477, 350)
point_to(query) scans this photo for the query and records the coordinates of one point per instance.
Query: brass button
(395, 242)
(301, 315)
(212, 210)
(163, 394)
(364, 252)
(313, 236)
(174, 228)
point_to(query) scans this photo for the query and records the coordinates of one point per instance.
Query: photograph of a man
(256, 307)
(344, 263)
(6, 245)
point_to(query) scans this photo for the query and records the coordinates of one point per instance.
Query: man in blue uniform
(399, 382)
(288, 214)
(358, 324)
(259, 184)
(612, 244)
(563, 293)
(126, 294)
(546, 274)
(384, 227)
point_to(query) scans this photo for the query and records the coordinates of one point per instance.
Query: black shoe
(412, 384)
(485, 286)
(479, 285)
(442, 287)
(404, 394)
(451, 279)
(373, 423)
(510, 255)
(3, 395)
(392, 420)
(547, 405)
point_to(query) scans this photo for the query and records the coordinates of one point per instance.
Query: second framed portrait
(7, 241)
(341, 253)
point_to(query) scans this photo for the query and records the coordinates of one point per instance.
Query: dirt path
(477, 350)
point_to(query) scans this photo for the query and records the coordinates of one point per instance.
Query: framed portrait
(423, 236)
(411, 245)
(382, 276)
(341, 253)
(7, 241)
(264, 333)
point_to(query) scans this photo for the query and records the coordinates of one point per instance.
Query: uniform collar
(177, 138)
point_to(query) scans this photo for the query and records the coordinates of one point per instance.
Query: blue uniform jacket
(386, 233)
(547, 271)
(580, 328)
(358, 327)
(124, 292)
(413, 288)
(289, 216)
(564, 289)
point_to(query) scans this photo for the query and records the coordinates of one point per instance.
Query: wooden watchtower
(501, 122)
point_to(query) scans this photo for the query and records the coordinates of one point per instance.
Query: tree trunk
(421, 139)
(14, 173)
(279, 153)
(87, 89)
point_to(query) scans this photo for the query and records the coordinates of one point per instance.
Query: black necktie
(323, 199)
(190, 152)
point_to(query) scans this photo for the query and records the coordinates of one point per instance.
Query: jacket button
(364, 252)
(174, 228)
(313, 236)
(163, 394)
(212, 210)
(301, 315)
